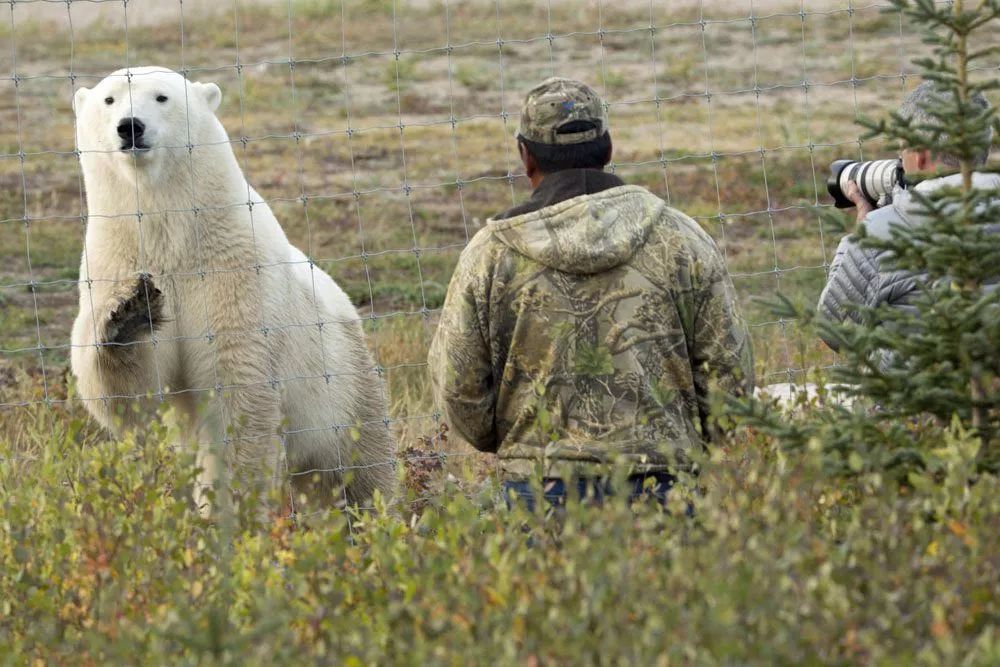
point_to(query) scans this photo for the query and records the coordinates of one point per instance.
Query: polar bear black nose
(131, 129)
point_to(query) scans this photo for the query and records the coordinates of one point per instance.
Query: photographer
(860, 276)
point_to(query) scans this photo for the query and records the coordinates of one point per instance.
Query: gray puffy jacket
(857, 275)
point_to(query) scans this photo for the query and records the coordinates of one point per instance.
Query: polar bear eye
(161, 98)
(109, 100)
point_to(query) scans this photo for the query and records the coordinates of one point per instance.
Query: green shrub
(103, 559)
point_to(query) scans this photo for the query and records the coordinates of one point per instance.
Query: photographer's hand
(863, 206)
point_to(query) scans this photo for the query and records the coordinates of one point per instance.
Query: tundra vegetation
(867, 535)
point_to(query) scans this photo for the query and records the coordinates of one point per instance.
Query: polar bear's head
(137, 118)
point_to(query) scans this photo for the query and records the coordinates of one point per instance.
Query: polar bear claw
(139, 313)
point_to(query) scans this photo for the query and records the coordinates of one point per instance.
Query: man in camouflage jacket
(583, 329)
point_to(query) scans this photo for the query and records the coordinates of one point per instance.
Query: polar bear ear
(210, 93)
(79, 97)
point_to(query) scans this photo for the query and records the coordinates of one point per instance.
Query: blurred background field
(381, 133)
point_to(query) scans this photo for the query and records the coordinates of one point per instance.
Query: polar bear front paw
(140, 312)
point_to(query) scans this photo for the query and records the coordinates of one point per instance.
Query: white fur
(261, 351)
(795, 397)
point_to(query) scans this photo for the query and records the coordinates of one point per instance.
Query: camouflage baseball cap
(556, 102)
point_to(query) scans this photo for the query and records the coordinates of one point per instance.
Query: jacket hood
(586, 234)
(905, 211)
(909, 209)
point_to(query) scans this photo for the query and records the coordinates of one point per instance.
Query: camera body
(875, 178)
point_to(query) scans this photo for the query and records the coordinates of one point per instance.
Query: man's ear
(530, 165)
(210, 93)
(924, 159)
(79, 97)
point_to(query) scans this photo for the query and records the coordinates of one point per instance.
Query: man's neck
(536, 178)
(561, 185)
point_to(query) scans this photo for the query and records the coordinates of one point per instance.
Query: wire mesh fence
(380, 134)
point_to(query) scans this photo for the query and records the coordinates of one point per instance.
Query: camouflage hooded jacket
(587, 333)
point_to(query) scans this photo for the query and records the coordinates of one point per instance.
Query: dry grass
(425, 188)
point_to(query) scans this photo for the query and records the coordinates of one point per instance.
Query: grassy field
(381, 134)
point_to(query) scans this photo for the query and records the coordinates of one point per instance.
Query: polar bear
(191, 293)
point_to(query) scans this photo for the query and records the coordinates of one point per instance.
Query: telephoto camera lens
(875, 178)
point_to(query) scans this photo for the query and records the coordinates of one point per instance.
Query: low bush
(103, 559)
